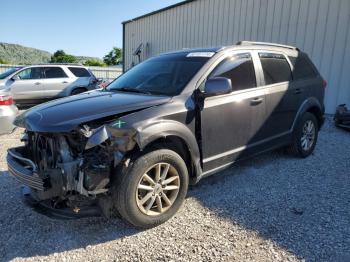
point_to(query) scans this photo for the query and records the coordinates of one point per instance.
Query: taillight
(324, 83)
(6, 100)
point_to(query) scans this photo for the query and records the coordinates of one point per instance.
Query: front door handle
(256, 101)
(298, 91)
(37, 83)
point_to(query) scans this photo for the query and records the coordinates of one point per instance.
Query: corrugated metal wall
(319, 27)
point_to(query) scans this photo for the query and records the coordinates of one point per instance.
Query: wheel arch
(174, 136)
(311, 105)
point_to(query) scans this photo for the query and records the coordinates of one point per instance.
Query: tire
(299, 147)
(130, 193)
(78, 91)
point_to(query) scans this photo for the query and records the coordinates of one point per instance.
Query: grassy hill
(18, 54)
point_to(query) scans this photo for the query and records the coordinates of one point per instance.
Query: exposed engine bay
(76, 167)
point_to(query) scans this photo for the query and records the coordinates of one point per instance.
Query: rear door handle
(256, 101)
(298, 91)
(37, 83)
(64, 82)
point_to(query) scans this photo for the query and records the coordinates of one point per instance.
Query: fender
(304, 107)
(164, 128)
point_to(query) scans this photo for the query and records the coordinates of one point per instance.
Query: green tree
(94, 62)
(61, 57)
(2, 61)
(113, 57)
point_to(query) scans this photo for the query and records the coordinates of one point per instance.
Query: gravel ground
(271, 208)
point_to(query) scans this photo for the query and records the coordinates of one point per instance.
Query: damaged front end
(70, 173)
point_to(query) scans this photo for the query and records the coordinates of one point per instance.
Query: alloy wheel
(308, 135)
(157, 189)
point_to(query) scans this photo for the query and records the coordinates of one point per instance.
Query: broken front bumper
(36, 191)
(45, 207)
(24, 170)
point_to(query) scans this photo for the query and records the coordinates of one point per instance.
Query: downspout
(123, 52)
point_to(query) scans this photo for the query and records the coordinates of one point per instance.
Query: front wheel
(305, 136)
(153, 188)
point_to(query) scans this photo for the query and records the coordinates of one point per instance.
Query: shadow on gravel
(25, 233)
(302, 205)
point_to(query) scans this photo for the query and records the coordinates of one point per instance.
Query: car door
(26, 86)
(228, 122)
(282, 98)
(55, 82)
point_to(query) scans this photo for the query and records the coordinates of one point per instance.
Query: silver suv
(34, 84)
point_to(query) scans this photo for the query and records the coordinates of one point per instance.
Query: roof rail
(76, 64)
(267, 44)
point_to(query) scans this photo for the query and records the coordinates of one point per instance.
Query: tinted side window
(30, 73)
(79, 72)
(276, 68)
(240, 69)
(302, 68)
(54, 72)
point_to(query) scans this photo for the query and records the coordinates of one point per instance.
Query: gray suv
(133, 148)
(34, 84)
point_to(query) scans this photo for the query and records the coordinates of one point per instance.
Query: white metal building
(319, 27)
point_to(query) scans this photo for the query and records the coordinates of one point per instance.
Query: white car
(31, 85)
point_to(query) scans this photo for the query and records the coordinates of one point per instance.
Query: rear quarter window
(79, 71)
(303, 68)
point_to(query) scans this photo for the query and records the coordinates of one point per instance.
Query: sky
(79, 27)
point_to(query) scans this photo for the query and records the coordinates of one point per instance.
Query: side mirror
(15, 77)
(217, 86)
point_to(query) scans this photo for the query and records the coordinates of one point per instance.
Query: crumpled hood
(63, 115)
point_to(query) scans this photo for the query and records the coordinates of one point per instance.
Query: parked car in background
(31, 85)
(134, 147)
(103, 83)
(8, 112)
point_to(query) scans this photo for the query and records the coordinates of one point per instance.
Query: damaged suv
(132, 149)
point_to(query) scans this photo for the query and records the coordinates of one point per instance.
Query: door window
(54, 72)
(275, 67)
(240, 69)
(30, 73)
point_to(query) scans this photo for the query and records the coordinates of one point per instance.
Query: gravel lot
(271, 208)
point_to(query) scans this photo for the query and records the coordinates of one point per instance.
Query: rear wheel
(305, 136)
(152, 189)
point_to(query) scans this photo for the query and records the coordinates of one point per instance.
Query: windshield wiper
(133, 90)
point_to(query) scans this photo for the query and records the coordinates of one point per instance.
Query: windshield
(164, 75)
(8, 72)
